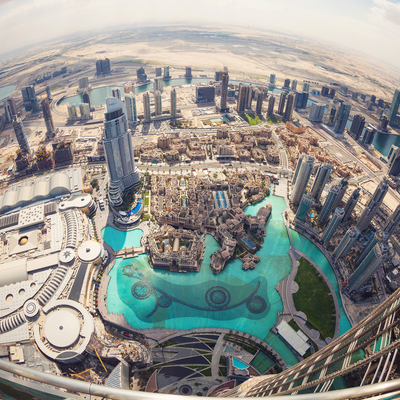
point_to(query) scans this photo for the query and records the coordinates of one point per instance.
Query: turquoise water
(309, 249)
(118, 240)
(6, 91)
(239, 364)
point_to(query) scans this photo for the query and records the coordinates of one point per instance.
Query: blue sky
(370, 26)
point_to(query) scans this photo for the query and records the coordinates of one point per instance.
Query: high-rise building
(7, 112)
(158, 71)
(119, 151)
(381, 103)
(346, 243)
(384, 123)
(373, 205)
(332, 93)
(343, 90)
(328, 204)
(286, 84)
(205, 94)
(394, 160)
(351, 203)
(272, 80)
(306, 87)
(369, 266)
(343, 185)
(130, 103)
(341, 118)
(298, 166)
(304, 207)
(83, 82)
(72, 112)
(29, 98)
(218, 76)
(48, 118)
(321, 178)
(103, 67)
(242, 97)
(115, 93)
(317, 112)
(249, 97)
(21, 135)
(294, 85)
(271, 104)
(87, 99)
(331, 114)
(378, 237)
(173, 103)
(354, 95)
(141, 75)
(260, 99)
(373, 99)
(324, 91)
(281, 105)
(333, 224)
(146, 107)
(84, 109)
(289, 107)
(167, 76)
(393, 223)
(301, 100)
(13, 106)
(394, 108)
(129, 88)
(188, 73)
(158, 84)
(368, 136)
(224, 91)
(302, 179)
(158, 103)
(357, 126)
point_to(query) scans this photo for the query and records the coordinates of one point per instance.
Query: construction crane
(100, 359)
(80, 373)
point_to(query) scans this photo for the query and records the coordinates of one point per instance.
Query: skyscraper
(298, 166)
(271, 104)
(83, 82)
(158, 103)
(242, 97)
(394, 160)
(259, 98)
(29, 98)
(224, 92)
(249, 97)
(378, 237)
(13, 106)
(72, 112)
(394, 108)
(103, 67)
(158, 71)
(115, 93)
(118, 150)
(347, 242)
(369, 266)
(357, 126)
(329, 203)
(384, 123)
(333, 224)
(302, 179)
(8, 113)
(304, 207)
(272, 80)
(167, 76)
(317, 112)
(351, 203)
(281, 105)
(373, 205)
(86, 97)
(306, 87)
(173, 103)
(286, 84)
(130, 103)
(146, 107)
(393, 222)
(294, 85)
(341, 118)
(158, 84)
(48, 119)
(343, 185)
(218, 76)
(129, 88)
(141, 75)
(301, 100)
(84, 110)
(289, 107)
(322, 177)
(21, 135)
(368, 136)
(188, 73)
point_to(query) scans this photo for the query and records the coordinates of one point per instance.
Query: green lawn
(252, 119)
(274, 120)
(146, 201)
(313, 298)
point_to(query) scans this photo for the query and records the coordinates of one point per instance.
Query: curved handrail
(123, 394)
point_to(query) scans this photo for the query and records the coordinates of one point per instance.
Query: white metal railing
(377, 391)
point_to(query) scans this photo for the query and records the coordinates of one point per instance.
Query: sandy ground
(389, 201)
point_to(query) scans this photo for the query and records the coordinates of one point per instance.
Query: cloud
(387, 10)
(2, 2)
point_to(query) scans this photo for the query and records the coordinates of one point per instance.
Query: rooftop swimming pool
(239, 364)
(234, 299)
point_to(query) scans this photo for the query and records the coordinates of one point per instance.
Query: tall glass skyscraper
(394, 108)
(173, 103)
(341, 118)
(322, 177)
(333, 224)
(21, 135)
(347, 242)
(224, 91)
(119, 151)
(302, 179)
(130, 103)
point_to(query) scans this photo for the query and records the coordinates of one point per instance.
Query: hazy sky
(371, 26)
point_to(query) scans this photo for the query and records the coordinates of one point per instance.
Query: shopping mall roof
(297, 340)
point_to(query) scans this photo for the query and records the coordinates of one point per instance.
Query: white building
(84, 109)
(72, 112)
(158, 102)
